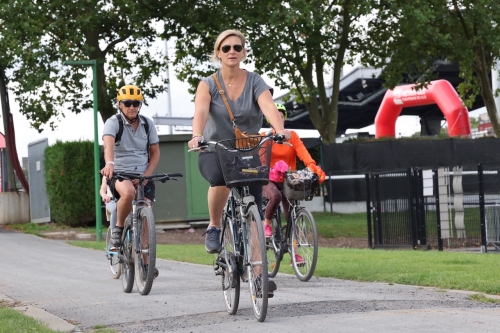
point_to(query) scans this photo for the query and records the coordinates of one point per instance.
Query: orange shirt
(289, 154)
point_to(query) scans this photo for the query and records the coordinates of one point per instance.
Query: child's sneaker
(268, 231)
(299, 260)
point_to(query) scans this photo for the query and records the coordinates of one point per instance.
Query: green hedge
(69, 177)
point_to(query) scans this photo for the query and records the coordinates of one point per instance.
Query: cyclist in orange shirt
(285, 154)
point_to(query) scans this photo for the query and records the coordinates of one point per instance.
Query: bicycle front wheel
(115, 268)
(145, 256)
(128, 271)
(304, 248)
(229, 264)
(257, 263)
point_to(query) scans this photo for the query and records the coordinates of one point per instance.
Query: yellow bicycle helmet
(130, 93)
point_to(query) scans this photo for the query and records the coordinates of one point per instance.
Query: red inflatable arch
(439, 92)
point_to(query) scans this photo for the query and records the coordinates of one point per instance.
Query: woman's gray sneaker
(212, 240)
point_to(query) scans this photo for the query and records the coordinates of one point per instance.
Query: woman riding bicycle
(249, 97)
(285, 155)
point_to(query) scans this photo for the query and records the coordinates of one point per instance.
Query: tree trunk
(11, 178)
(482, 71)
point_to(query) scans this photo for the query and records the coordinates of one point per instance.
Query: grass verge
(444, 270)
(13, 321)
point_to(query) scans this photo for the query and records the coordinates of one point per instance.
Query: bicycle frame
(286, 237)
(138, 247)
(241, 198)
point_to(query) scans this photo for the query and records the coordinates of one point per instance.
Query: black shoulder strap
(146, 127)
(118, 136)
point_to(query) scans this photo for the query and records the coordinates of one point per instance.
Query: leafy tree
(295, 42)
(474, 122)
(39, 35)
(411, 37)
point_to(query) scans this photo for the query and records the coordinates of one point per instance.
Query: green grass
(443, 270)
(13, 321)
(37, 228)
(336, 225)
(341, 225)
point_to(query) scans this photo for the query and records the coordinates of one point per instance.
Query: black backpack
(118, 136)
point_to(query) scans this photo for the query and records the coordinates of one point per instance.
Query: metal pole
(482, 214)
(369, 211)
(438, 208)
(169, 92)
(97, 175)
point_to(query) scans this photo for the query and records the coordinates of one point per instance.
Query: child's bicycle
(243, 244)
(298, 236)
(136, 255)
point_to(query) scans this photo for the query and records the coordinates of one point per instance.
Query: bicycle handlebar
(278, 138)
(163, 177)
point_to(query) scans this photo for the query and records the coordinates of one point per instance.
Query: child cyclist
(285, 155)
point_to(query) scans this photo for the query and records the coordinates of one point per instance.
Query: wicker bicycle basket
(300, 185)
(244, 166)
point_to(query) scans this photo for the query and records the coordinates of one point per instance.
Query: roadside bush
(69, 178)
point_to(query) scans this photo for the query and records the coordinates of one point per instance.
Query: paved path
(74, 284)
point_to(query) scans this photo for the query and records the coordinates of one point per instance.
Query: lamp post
(98, 215)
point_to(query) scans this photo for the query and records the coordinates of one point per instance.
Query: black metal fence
(452, 207)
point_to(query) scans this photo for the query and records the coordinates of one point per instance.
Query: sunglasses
(236, 47)
(136, 104)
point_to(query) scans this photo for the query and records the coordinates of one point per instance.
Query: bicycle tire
(256, 255)
(230, 276)
(128, 271)
(305, 236)
(145, 260)
(274, 250)
(115, 268)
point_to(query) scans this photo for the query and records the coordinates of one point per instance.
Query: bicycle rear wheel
(115, 268)
(304, 245)
(229, 264)
(274, 249)
(145, 258)
(257, 263)
(128, 271)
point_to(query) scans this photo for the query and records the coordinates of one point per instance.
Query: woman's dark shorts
(208, 164)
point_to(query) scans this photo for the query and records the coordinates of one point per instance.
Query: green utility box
(184, 200)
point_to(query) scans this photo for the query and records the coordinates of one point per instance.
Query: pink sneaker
(299, 260)
(268, 231)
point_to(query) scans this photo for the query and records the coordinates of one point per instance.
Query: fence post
(330, 192)
(368, 211)
(413, 227)
(438, 210)
(420, 212)
(484, 248)
(378, 220)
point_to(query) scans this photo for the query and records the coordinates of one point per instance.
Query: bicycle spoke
(145, 256)
(257, 263)
(115, 266)
(230, 276)
(304, 245)
(128, 271)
